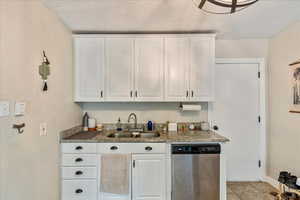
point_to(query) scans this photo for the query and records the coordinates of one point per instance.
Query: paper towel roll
(189, 107)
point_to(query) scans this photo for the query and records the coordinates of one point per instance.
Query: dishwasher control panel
(196, 149)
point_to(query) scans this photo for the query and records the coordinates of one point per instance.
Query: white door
(176, 69)
(89, 69)
(149, 69)
(202, 68)
(235, 112)
(119, 57)
(148, 177)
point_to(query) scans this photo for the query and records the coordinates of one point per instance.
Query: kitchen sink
(149, 134)
(134, 135)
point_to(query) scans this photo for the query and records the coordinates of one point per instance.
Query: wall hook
(19, 127)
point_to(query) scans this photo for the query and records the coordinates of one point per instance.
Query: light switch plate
(20, 108)
(4, 108)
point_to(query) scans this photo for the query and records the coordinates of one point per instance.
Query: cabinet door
(149, 177)
(176, 69)
(119, 56)
(89, 69)
(202, 68)
(149, 69)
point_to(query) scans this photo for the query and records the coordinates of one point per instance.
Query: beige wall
(284, 135)
(31, 161)
(243, 48)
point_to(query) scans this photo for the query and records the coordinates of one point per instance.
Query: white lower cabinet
(79, 190)
(148, 177)
(81, 172)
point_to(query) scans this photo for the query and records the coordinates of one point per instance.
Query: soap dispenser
(85, 122)
(119, 125)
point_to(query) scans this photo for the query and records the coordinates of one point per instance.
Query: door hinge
(259, 163)
(259, 119)
(133, 164)
(258, 74)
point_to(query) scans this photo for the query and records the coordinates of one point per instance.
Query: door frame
(262, 104)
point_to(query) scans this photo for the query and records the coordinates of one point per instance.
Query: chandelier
(223, 6)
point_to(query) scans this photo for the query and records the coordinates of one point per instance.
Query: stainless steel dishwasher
(196, 171)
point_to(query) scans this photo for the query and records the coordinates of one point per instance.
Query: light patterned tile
(263, 187)
(232, 196)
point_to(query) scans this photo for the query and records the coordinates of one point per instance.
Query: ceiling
(262, 20)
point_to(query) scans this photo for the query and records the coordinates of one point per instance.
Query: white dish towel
(115, 173)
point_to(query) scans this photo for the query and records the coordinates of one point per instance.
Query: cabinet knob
(187, 93)
(131, 93)
(78, 173)
(78, 148)
(78, 191)
(136, 94)
(215, 127)
(78, 160)
(114, 148)
(192, 93)
(101, 93)
(148, 148)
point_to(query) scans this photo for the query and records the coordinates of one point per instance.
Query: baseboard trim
(271, 181)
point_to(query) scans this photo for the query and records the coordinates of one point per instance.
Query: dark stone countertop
(76, 135)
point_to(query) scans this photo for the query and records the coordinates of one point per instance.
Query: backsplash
(157, 112)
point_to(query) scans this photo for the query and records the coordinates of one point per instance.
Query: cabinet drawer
(79, 190)
(79, 172)
(132, 148)
(79, 160)
(79, 148)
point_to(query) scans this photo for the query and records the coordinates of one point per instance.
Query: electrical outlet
(20, 108)
(4, 108)
(43, 129)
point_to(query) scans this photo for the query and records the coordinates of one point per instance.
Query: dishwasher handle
(196, 149)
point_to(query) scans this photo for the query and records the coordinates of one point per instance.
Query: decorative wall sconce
(44, 71)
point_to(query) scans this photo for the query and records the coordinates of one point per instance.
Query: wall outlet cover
(4, 108)
(20, 108)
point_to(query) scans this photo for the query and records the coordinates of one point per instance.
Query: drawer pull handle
(114, 148)
(78, 160)
(78, 191)
(78, 173)
(78, 148)
(148, 148)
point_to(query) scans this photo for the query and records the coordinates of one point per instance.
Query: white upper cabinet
(176, 69)
(149, 69)
(89, 69)
(119, 54)
(144, 68)
(149, 177)
(202, 58)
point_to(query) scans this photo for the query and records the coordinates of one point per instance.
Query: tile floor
(250, 191)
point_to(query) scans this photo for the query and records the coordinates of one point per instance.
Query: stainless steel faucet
(133, 115)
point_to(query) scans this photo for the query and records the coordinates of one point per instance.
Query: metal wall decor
(223, 6)
(44, 71)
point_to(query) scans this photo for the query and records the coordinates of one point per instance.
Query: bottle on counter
(119, 125)
(92, 124)
(85, 122)
(150, 126)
